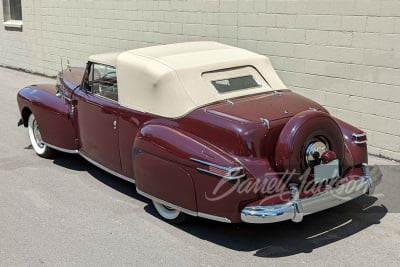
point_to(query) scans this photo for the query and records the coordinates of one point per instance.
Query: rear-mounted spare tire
(303, 132)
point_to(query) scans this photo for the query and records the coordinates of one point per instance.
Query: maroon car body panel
(53, 114)
(273, 106)
(157, 152)
(97, 128)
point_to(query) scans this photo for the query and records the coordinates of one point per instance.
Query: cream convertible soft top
(172, 80)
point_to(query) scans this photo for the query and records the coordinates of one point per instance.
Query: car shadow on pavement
(266, 240)
(77, 163)
(288, 238)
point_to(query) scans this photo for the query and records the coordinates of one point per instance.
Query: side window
(102, 81)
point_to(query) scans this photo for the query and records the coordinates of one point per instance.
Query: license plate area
(324, 172)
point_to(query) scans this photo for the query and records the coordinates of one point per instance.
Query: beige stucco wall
(343, 53)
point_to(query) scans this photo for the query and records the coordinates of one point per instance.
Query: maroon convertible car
(202, 129)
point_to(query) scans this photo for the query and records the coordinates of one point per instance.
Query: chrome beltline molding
(190, 212)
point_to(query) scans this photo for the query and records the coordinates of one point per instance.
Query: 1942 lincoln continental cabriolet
(203, 129)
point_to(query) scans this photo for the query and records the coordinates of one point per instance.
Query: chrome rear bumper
(297, 207)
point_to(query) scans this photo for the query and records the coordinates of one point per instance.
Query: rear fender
(355, 153)
(163, 163)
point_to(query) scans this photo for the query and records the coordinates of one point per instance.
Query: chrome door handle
(115, 125)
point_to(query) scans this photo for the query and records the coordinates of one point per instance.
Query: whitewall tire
(36, 138)
(171, 215)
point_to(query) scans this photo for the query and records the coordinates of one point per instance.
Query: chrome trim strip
(210, 164)
(266, 123)
(69, 151)
(230, 170)
(230, 102)
(360, 142)
(76, 151)
(131, 180)
(214, 218)
(190, 212)
(67, 98)
(228, 177)
(358, 136)
(296, 208)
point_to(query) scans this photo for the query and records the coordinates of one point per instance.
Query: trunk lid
(272, 106)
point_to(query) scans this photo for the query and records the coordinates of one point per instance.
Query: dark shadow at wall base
(28, 71)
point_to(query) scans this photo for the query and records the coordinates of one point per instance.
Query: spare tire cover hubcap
(319, 147)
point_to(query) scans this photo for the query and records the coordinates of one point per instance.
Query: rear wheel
(170, 214)
(36, 138)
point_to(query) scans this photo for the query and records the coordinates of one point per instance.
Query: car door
(97, 116)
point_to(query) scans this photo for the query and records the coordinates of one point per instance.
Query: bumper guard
(297, 207)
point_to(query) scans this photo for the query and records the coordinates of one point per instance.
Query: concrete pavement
(65, 211)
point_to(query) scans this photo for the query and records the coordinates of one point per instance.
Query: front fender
(52, 113)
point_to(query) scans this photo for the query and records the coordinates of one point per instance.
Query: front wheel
(170, 214)
(36, 139)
